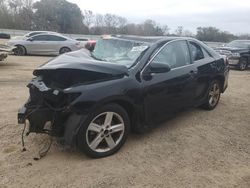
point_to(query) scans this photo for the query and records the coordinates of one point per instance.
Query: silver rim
(214, 94)
(64, 50)
(19, 51)
(105, 132)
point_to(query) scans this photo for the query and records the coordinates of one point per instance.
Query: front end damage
(54, 95)
(47, 108)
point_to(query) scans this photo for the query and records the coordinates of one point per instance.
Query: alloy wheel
(105, 132)
(19, 51)
(64, 50)
(214, 94)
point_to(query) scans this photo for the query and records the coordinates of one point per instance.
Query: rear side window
(55, 38)
(40, 38)
(196, 52)
(175, 54)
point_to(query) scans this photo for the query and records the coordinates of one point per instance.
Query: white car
(44, 44)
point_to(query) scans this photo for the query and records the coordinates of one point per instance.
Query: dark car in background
(93, 99)
(237, 52)
(4, 36)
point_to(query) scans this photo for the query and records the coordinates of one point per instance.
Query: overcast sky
(228, 15)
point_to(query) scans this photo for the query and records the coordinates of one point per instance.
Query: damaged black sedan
(93, 99)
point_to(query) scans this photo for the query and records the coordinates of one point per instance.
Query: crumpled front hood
(82, 60)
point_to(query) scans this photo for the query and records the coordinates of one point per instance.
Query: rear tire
(242, 64)
(64, 50)
(104, 132)
(19, 50)
(213, 95)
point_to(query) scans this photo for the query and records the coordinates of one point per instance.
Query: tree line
(65, 17)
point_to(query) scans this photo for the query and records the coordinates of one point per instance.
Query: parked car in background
(4, 51)
(83, 41)
(237, 52)
(44, 44)
(93, 99)
(4, 36)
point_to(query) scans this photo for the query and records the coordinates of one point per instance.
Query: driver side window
(175, 54)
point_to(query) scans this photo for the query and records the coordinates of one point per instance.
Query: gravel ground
(196, 148)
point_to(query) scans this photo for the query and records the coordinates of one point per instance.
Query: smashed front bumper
(45, 110)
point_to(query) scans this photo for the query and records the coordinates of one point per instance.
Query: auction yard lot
(196, 148)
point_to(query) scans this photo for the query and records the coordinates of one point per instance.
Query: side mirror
(155, 68)
(159, 68)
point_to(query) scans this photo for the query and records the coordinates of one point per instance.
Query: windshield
(239, 44)
(119, 51)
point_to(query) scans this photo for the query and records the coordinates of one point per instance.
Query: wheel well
(64, 47)
(129, 109)
(221, 80)
(22, 47)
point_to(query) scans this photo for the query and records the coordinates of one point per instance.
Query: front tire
(104, 132)
(213, 95)
(19, 50)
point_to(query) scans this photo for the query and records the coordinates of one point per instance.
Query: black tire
(84, 133)
(19, 50)
(64, 50)
(242, 64)
(208, 105)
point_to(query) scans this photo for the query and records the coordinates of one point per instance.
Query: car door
(36, 44)
(55, 43)
(165, 93)
(206, 68)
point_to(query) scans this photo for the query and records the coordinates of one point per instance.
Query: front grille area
(46, 97)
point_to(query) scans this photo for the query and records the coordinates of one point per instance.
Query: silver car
(44, 44)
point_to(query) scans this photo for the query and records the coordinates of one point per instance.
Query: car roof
(41, 32)
(54, 34)
(149, 39)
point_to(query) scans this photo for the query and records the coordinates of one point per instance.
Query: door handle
(193, 72)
